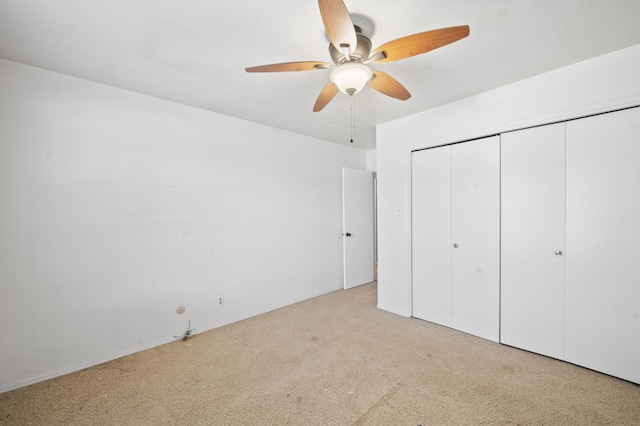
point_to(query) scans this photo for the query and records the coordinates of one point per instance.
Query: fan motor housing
(359, 54)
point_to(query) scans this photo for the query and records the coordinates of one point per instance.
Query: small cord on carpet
(190, 332)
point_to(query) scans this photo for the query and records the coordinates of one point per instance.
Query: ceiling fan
(351, 52)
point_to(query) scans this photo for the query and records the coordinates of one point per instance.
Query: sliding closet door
(533, 239)
(456, 236)
(431, 230)
(603, 243)
(475, 231)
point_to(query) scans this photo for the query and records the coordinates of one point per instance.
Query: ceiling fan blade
(328, 92)
(338, 24)
(416, 44)
(388, 85)
(289, 66)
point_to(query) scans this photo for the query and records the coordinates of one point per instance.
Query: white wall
(604, 83)
(371, 160)
(116, 207)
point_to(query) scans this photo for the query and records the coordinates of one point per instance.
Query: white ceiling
(194, 51)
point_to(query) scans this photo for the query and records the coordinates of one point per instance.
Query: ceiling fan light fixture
(350, 49)
(350, 77)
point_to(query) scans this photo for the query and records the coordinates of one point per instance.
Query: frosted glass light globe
(350, 77)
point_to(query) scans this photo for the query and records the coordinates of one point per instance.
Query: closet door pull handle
(558, 253)
(455, 246)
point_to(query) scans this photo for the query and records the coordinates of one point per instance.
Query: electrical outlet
(220, 300)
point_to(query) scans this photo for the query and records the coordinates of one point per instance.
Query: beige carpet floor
(331, 360)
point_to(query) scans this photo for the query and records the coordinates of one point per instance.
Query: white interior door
(431, 234)
(475, 237)
(358, 228)
(603, 243)
(533, 239)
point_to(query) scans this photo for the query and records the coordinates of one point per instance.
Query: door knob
(558, 253)
(347, 234)
(455, 246)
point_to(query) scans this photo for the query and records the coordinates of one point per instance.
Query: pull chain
(353, 117)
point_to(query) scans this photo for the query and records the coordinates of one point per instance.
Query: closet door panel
(475, 281)
(603, 243)
(533, 239)
(431, 234)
